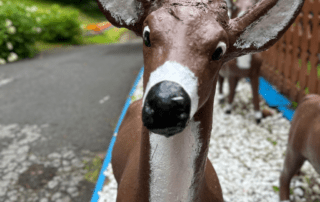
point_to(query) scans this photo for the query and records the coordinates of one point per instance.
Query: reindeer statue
(244, 66)
(303, 142)
(162, 146)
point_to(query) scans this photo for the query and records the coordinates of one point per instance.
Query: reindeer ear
(261, 27)
(125, 13)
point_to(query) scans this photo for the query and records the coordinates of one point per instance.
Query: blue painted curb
(101, 178)
(274, 99)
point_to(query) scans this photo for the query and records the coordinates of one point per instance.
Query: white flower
(8, 23)
(12, 57)
(2, 61)
(28, 15)
(32, 9)
(1, 3)
(37, 29)
(12, 30)
(9, 46)
(38, 19)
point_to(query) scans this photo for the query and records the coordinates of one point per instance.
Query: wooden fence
(293, 63)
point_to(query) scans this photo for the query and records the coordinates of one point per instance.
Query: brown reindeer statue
(303, 142)
(244, 66)
(161, 150)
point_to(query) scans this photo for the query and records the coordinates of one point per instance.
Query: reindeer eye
(146, 36)
(220, 51)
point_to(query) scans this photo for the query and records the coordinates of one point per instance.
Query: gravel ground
(247, 157)
(24, 176)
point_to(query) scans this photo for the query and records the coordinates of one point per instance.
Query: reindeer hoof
(258, 121)
(228, 111)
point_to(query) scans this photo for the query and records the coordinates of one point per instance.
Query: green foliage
(21, 26)
(298, 85)
(306, 90)
(59, 26)
(93, 168)
(272, 142)
(18, 32)
(294, 105)
(299, 63)
(275, 189)
(110, 36)
(309, 67)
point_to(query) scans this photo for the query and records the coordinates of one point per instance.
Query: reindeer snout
(166, 109)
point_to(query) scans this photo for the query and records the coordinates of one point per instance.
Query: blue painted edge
(101, 178)
(274, 99)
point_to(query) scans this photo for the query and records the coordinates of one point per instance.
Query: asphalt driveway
(76, 95)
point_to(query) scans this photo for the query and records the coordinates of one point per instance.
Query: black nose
(166, 109)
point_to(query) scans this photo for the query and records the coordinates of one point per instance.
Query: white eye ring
(223, 46)
(146, 29)
(219, 51)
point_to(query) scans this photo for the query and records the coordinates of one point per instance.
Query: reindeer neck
(176, 164)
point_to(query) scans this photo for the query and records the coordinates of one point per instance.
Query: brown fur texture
(303, 142)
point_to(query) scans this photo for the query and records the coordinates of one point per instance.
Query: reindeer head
(185, 44)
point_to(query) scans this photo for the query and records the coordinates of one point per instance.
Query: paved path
(57, 110)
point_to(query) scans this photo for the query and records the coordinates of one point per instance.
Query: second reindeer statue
(303, 142)
(244, 66)
(161, 150)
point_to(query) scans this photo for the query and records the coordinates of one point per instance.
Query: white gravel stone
(32, 157)
(44, 200)
(23, 150)
(77, 163)
(54, 156)
(67, 168)
(71, 190)
(52, 184)
(56, 196)
(3, 191)
(69, 155)
(66, 199)
(298, 191)
(316, 189)
(13, 198)
(56, 163)
(65, 163)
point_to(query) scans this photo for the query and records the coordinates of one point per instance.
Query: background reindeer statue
(303, 142)
(244, 66)
(161, 150)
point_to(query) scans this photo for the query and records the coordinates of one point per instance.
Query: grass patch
(93, 169)
(111, 36)
(275, 189)
(273, 142)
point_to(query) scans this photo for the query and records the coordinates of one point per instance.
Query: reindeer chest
(172, 165)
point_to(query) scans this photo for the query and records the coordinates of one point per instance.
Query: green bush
(60, 26)
(18, 32)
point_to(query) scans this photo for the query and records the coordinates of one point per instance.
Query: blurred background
(41, 25)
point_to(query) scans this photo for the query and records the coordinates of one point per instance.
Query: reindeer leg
(220, 96)
(233, 81)
(255, 92)
(292, 164)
